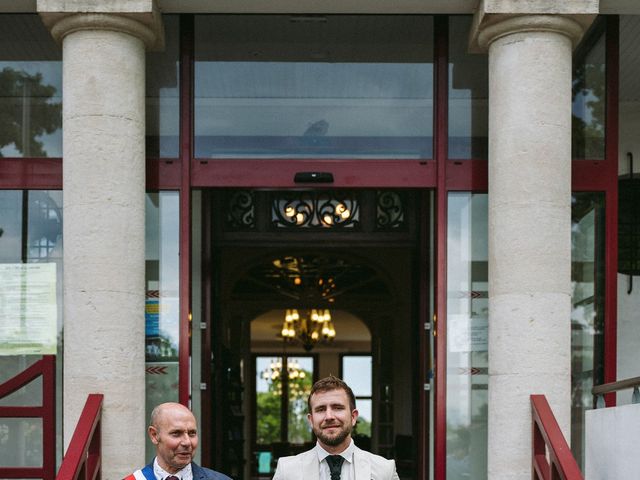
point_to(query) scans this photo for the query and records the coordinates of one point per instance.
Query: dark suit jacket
(199, 473)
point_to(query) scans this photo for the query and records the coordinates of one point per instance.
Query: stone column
(104, 216)
(529, 225)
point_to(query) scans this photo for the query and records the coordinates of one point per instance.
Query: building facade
(452, 181)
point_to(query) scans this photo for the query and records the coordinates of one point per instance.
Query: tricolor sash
(145, 473)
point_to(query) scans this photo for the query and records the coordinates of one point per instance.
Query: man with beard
(174, 433)
(332, 416)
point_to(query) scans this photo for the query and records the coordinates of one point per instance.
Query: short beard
(334, 441)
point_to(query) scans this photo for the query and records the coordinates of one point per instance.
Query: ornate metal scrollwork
(390, 210)
(315, 209)
(241, 210)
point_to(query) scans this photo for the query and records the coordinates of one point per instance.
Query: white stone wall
(612, 438)
(628, 334)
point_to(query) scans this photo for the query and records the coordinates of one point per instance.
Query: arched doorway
(366, 278)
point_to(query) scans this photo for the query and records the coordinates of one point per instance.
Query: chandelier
(294, 372)
(315, 327)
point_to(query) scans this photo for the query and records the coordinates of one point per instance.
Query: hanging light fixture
(294, 372)
(313, 328)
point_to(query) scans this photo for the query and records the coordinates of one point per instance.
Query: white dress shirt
(348, 470)
(161, 473)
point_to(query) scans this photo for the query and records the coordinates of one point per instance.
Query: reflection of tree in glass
(269, 407)
(18, 123)
(587, 129)
(363, 427)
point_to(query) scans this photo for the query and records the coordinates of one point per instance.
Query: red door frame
(441, 173)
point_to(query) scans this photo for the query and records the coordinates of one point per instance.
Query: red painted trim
(21, 379)
(163, 173)
(18, 472)
(593, 175)
(424, 355)
(547, 437)
(611, 222)
(31, 173)
(45, 367)
(467, 175)
(279, 173)
(441, 26)
(21, 412)
(186, 142)
(84, 452)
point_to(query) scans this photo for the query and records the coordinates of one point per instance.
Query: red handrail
(45, 367)
(84, 455)
(548, 440)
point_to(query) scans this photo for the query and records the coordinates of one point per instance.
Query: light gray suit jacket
(305, 466)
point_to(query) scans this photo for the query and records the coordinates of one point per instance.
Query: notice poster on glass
(28, 310)
(467, 334)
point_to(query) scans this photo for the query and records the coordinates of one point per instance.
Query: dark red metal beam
(163, 173)
(186, 142)
(441, 25)
(611, 205)
(279, 173)
(31, 173)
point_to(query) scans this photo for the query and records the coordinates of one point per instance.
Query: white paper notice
(465, 334)
(28, 310)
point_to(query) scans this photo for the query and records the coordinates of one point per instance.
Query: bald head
(167, 409)
(173, 432)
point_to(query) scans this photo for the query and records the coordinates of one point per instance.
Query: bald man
(174, 433)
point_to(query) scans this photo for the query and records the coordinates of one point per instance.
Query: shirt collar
(347, 453)
(161, 473)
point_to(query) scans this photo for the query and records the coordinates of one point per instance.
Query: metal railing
(83, 459)
(599, 391)
(46, 368)
(551, 456)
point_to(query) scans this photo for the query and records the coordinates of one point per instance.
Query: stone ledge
(496, 18)
(140, 18)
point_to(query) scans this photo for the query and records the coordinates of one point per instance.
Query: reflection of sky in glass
(162, 245)
(364, 409)
(357, 374)
(283, 98)
(262, 363)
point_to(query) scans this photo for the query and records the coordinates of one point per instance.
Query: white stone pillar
(529, 228)
(104, 221)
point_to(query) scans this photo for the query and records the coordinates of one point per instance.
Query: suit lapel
(310, 465)
(361, 464)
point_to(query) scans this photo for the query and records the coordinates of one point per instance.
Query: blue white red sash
(145, 473)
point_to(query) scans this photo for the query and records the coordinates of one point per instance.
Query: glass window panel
(21, 442)
(365, 418)
(268, 400)
(28, 396)
(356, 372)
(163, 94)
(587, 314)
(467, 336)
(314, 86)
(30, 89)
(31, 233)
(468, 94)
(588, 93)
(162, 306)
(300, 371)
